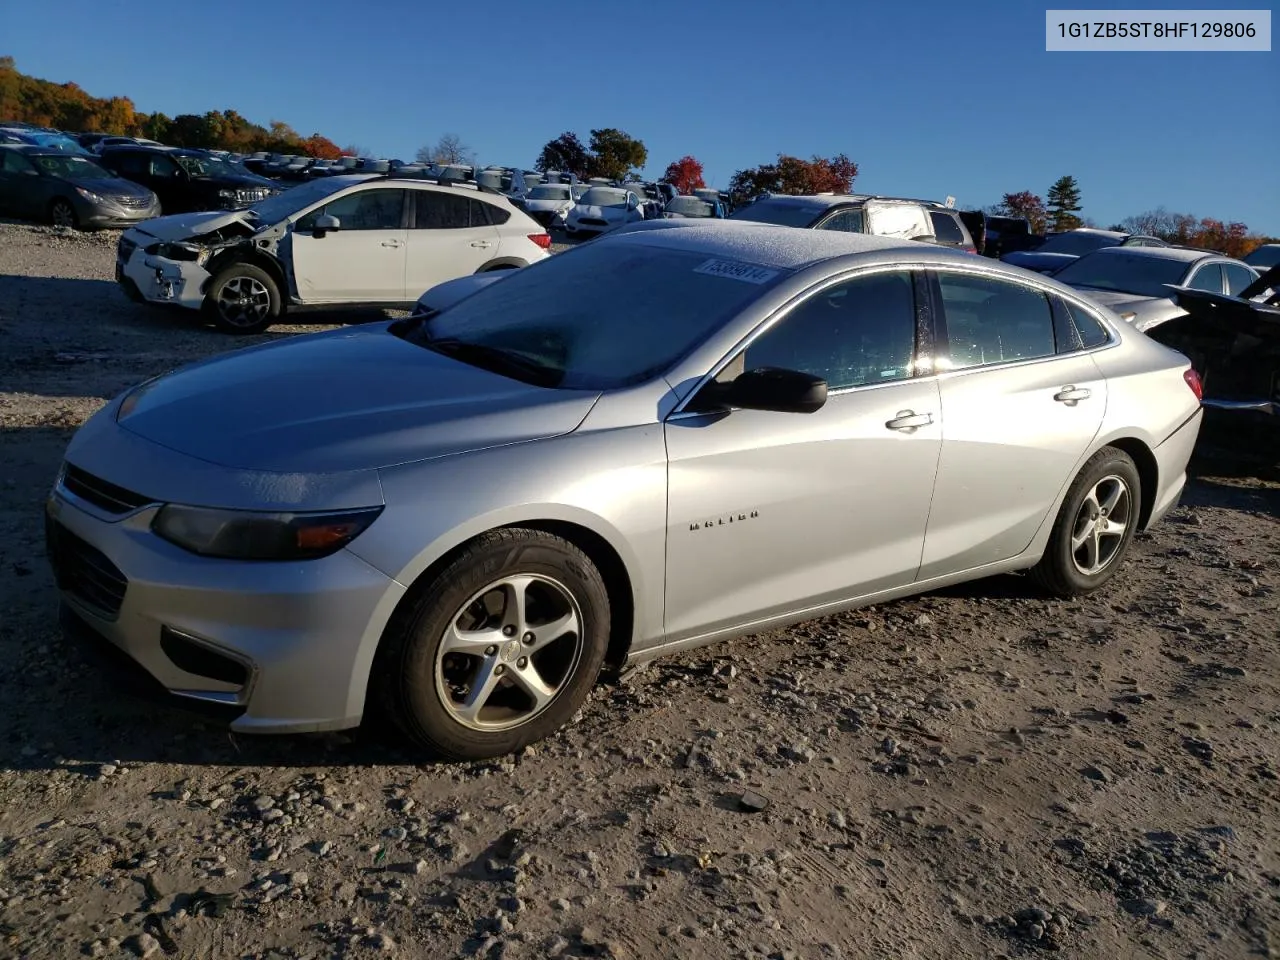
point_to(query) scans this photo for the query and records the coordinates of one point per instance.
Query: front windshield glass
(1077, 244)
(1264, 257)
(778, 211)
(70, 168)
(635, 310)
(206, 166)
(1125, 272)
(296, 199)
(57, 141)
(549, 193)
(689, 207)
(604, 197)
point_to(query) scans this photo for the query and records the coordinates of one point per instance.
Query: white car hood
(183, 226)
(600, 213)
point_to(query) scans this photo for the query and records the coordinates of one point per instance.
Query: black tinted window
(161, 166)
(946, 229)
(1208, 277)
(856, 333)
(128, 163)
(497, 215)
(994, 321)
(1074, 329)
(1238, 278)
(13, 162)
(442, 211)
(366, 210)
(850, 221)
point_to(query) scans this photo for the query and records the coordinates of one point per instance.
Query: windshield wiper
(499, 360)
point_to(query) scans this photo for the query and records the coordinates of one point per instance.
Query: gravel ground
(974, 773)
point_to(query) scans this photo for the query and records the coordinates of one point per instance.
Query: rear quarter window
(946, 229)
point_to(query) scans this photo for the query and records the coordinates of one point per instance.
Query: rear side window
(1238, 278)
(946, 229)
(129, 164)
(994, 321)
(482, 212)
(1074, 329)
(441, 211)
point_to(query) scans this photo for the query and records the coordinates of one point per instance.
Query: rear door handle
(482, 244)
(394, 244)
(1071, 394)
(908, 421)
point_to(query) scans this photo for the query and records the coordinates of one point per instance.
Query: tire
(62, 214)
(1076, 562)
(242, 299)
(426, 688)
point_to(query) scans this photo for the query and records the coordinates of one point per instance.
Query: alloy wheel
(509, 652)
(1100, 525)
(244, 301)
(62, 214)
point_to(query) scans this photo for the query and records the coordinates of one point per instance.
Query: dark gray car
(70, 191)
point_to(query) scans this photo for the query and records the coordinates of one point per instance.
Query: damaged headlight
(244, 535)
(184, 252)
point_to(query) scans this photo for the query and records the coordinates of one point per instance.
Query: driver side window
(854, 334)
(364, 210)
(163, 167)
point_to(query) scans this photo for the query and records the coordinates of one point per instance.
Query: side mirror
(776, 390)
(324, 224)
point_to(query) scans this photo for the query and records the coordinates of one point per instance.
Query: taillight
(1193, 381)
(541, 239)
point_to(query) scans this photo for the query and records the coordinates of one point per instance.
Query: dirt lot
(974, 773)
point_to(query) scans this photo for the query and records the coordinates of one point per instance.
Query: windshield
(635, 311)
(778, 211)
(549, 193)
(70, 168)
(1077, 243)
(689, 207)
(1127, 273)
(56, 141)
(603, 197)
(206, 166)
(296, 199)
(1265, 256)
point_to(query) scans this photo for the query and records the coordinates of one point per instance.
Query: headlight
(241, 535)
(89, 195)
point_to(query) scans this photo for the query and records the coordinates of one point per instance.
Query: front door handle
(482, 244)
(908, 421)
(1072, 394)
(393, 244)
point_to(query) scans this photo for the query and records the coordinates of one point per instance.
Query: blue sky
(930, 98)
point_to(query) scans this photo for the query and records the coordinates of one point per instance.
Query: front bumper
(292, 642)
(102, 216)
(161, 280)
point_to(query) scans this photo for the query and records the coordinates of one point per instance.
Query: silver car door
(771, 512)
(1017, 418)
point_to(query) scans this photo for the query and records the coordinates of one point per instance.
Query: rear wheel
(62, 214)
(500, 649)
(243, 299)
(1094, 527)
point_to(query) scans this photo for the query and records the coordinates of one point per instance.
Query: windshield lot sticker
(746, 272)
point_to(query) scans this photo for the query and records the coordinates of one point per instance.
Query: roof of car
(35, 150)
(1185, 254)
(788, 248)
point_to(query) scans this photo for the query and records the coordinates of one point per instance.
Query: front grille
(136, 202)
(103, 495)
(84, 571)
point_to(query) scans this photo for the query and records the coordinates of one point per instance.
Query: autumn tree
(685, 174)
(1064, 204)
(792, 175)
(565, 153)
(448, 149)
(1024, 204)
(614, 154)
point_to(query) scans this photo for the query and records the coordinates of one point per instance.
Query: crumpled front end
(157, 268)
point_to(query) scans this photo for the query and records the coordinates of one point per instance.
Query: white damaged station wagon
(340, 241)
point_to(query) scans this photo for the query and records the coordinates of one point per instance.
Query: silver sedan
(651, 442)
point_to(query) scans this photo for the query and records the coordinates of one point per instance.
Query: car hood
(446, 294)
(547, 205)
(342, 401)
(183, 226)
(113, 187)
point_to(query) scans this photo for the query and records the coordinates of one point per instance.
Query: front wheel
(62, 214)
(242, 299)
(500, 649)
(1094, 527)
